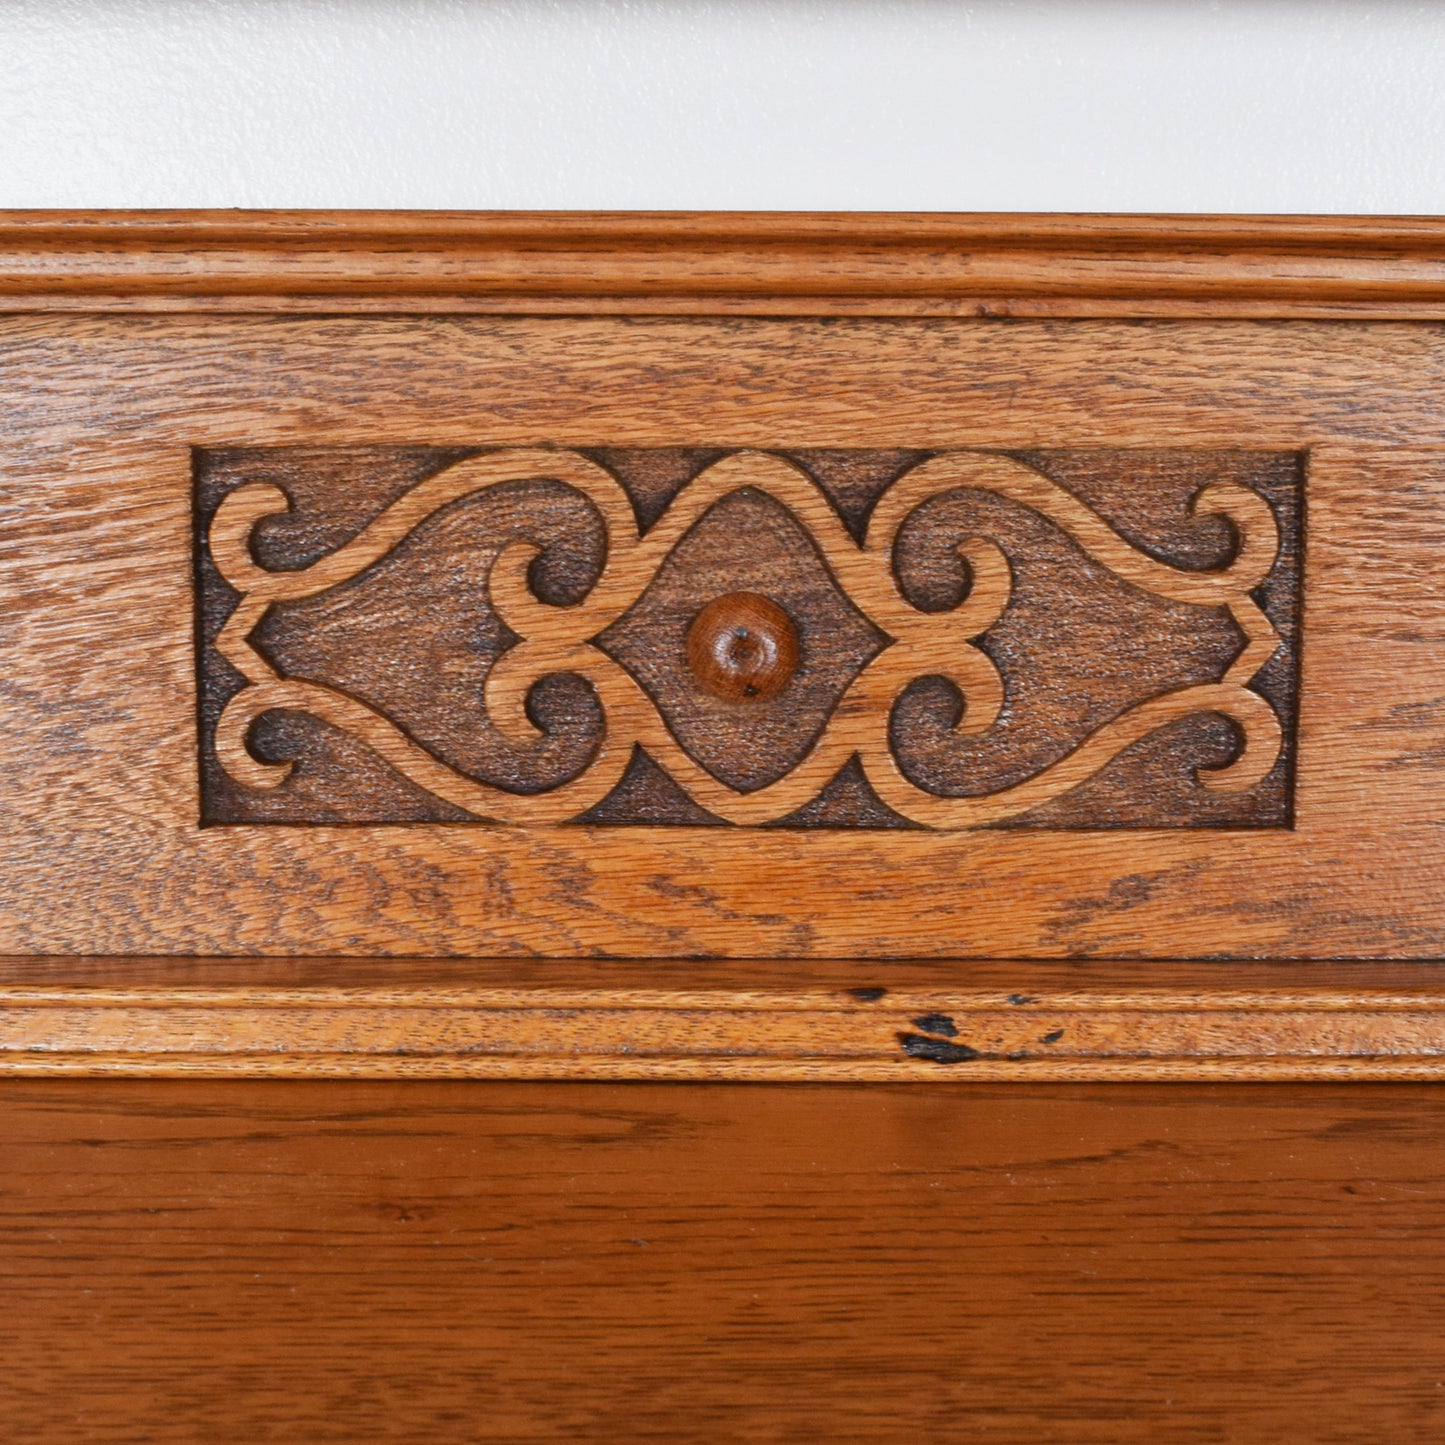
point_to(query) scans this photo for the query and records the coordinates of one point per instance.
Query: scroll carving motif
(941, 640)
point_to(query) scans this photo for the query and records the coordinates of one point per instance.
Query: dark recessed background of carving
(414, 636)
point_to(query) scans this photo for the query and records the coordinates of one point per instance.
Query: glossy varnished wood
(694, 263)
(743, 647)
(387, 1262)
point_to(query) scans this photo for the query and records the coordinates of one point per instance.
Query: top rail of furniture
(720, 263)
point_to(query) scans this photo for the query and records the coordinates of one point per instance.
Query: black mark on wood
(937, 1024)
(939, 1051)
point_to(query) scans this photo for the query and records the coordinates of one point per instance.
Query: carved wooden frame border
(487, 1018)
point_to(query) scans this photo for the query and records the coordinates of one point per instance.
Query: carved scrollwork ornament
(744, 648)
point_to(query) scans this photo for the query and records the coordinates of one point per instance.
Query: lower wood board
(277, 1261)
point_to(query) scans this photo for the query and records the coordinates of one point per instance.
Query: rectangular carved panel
(708, 636)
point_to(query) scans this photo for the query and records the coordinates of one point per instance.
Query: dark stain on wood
(937, 1024)
(938, 1051)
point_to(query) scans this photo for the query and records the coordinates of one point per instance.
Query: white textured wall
(850, 104)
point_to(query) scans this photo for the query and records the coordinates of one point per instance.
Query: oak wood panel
(99, 805)
(381, 1262)
(643, 339)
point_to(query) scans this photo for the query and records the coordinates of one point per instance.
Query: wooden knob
(743, 647)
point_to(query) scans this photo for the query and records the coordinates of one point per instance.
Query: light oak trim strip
(691, 263)
(1053, 1026)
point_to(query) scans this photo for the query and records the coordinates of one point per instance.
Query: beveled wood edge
(814, 1022)
(694, 263)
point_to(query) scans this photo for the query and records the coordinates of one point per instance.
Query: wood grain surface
(762, 1019)
(465, 1242)
(135, 347)
(102, 852)
(924, 264)
(534, 1262)
(1097, 639)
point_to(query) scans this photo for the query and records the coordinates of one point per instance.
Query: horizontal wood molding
(768, 1020)
(717, 264)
